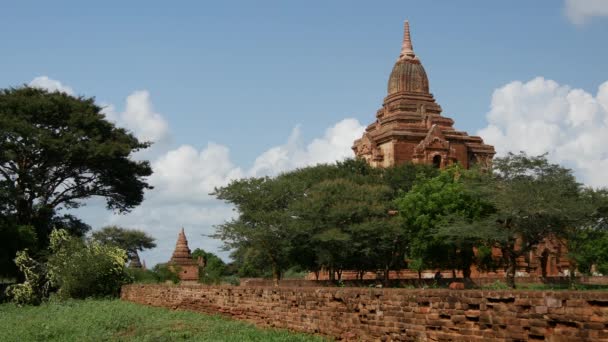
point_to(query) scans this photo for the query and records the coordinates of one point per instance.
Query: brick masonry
(396, 314)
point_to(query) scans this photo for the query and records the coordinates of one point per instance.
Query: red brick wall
(397, 314)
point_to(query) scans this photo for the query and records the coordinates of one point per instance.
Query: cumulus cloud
(580, 11)
(335, 145)
(541, 116)
(183, 178)
(139, 117)
(185, 175)
(49, 84)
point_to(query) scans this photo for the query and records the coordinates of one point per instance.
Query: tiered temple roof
(410, 128)
(182, 255)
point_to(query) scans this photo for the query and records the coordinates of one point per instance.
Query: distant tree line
(350, 216)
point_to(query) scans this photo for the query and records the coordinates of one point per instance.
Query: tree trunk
(387, 275)
(511, 265)
(571, 276)
(316, 274)
(276, 274)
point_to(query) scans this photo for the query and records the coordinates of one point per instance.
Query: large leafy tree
(429, 205)
(57, 150)
(330, 216)
(532, 199)
(263, 221)
(214, 267)
(130, 240)
(588, 243)
(349, 226)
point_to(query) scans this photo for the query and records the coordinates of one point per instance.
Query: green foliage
(116, 320)
(13, 238)
(214, 269)
(532, 199)
(57, 150)
(164, 273)
(426, 208)
(81, 270)
(35, 288)
(138, 275)
(263, 222)
(497, 285)
(131, 240)
(295, 272)
(231, 280)
(333, 216)
(588, 243)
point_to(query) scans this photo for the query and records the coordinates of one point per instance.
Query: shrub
(164, 273)
(81, 270)
(35, 288)
(142, 276)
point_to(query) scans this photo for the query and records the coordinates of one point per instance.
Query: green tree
(263, 222)
(426, 207)
(588, 243)
(349, 226)
(57, 150)
(532, 199)
(131, 240)
(214, 269)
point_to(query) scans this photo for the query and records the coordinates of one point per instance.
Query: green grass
(500, 285)
(115, 320)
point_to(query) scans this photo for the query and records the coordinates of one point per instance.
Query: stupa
(182, 261)
(410, 128)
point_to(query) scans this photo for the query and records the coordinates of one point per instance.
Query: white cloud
(334, 145)
(139, 117)
(50, 84)
(543, 116)
(184, 176)
(580, 11)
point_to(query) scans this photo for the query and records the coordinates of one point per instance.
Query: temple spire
(407, 50)
(182, 251)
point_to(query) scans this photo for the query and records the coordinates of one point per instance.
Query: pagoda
(182, 261)
(410, 128)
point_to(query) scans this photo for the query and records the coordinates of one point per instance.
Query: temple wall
(404, 151)
(461, 154)
(396, 314)
(388, 150)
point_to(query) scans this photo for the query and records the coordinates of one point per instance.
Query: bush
(81, 270)
(142, 276)
(231, 280)
(164, 273)
(35, 288)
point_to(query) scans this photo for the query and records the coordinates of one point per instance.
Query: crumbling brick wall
(397, 314)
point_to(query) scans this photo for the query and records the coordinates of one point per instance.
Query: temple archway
(437, 161)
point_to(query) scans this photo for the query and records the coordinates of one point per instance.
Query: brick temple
(182, 258)
(410, 128)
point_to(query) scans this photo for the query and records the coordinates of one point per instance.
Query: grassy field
(114, 320)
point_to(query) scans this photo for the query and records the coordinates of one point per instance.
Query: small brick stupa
(182, 258)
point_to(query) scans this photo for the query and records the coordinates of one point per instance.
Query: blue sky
(265, 76)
